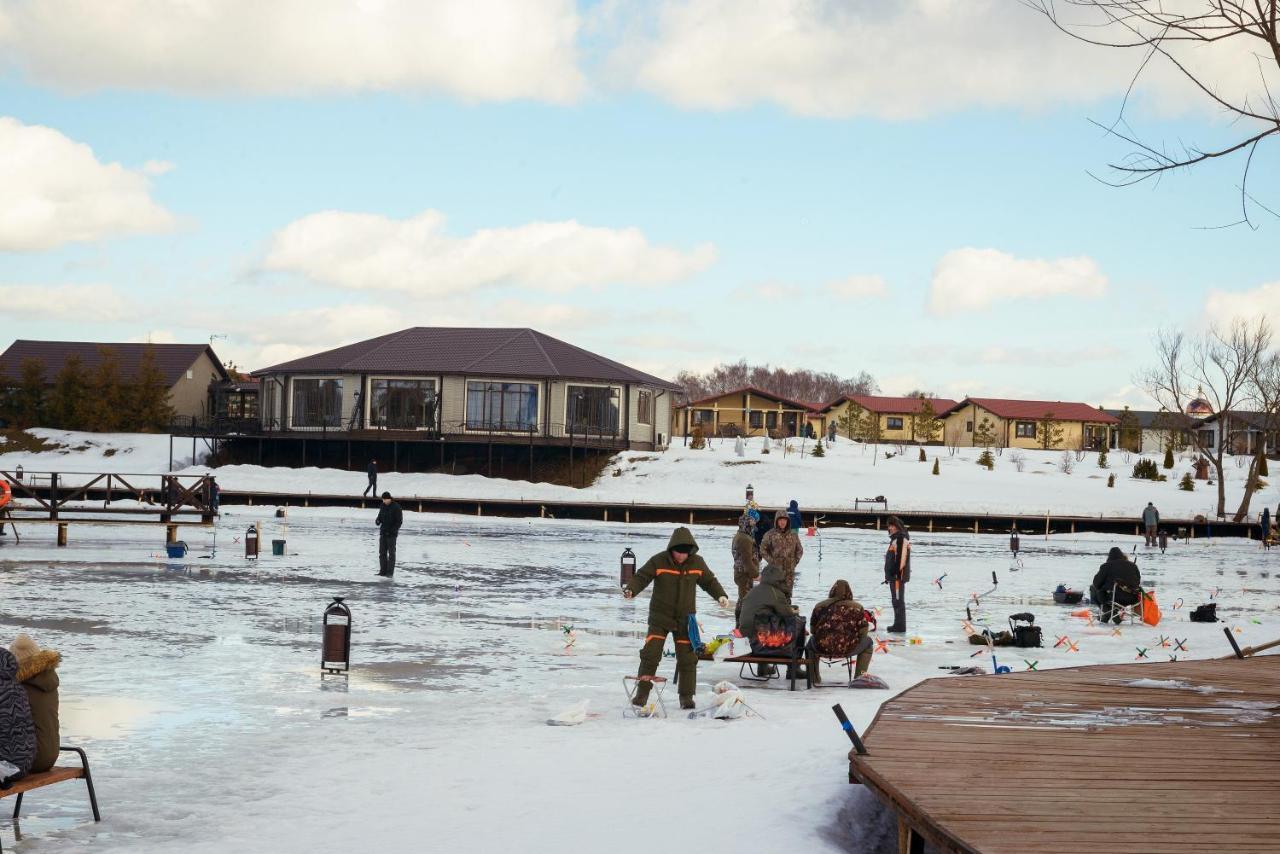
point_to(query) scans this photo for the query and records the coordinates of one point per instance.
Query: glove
(724, 601)
(626, 593)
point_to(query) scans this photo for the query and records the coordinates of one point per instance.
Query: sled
(868, 680)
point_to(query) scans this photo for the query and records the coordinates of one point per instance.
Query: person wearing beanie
(38, 674)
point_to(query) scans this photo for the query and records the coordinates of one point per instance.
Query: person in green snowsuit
(675, 574)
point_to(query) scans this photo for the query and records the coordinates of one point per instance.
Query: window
(1206, 438)
(502, 406)
(644, 407)
(190, 374)
(893, 423)
(968, 426)
(591, 409)
(402, 404)
(755, 419)
(703, 416)
(317, 403)
(1025, 429)
(771, 420)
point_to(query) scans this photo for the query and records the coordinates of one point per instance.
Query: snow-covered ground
(717, 476)
(195, 684)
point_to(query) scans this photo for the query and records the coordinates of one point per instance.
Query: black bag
(1205, 613)
(1024, 630)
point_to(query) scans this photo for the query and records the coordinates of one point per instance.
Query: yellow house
(900, 418)
(1032, 424)
(746, 411)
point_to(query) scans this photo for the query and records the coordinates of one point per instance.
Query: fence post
(53, 496)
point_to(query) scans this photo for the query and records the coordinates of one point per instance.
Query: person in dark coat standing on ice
(897, 571)
(793, 513)
(676, 574)
(1150, 522)
(1266, 523)
(390, 518)
(372, 471)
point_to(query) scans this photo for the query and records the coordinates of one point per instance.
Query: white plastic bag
(571, 716)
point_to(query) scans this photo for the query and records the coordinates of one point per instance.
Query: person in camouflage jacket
(676, 574)
(781, 547)
(746, 562)
(840, 628)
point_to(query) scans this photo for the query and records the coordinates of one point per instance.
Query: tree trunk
(1250, 485)
(1222, 484)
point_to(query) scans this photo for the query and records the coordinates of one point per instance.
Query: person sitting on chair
(839, 629)
(1117, 585)
(766, 613)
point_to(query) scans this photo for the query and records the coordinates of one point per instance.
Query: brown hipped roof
(496, 352)
(758, 392)
(174, 360)
(893, 405)
(1033, 410)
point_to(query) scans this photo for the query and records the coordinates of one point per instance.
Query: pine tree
(70, 395)
(1050, 431)
(1168, 457)
(106, 407)
(818, 450)
(923, 458)
(148, 405)
(925, 424)
(1187, 484)
(984, 435)
(1111, 480)
(24, 406)
(986, 459)
(1102, 459)
(935, 466)
(1130, 431)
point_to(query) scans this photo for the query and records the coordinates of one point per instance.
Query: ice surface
(195, 684)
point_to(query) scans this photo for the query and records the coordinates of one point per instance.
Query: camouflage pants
(651, 656)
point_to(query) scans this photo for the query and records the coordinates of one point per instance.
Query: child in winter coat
(17, 733)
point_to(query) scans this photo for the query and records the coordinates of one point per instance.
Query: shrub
(1102, 459)
(1111, 480)
(818, 450)
(1146, 469)
(1019, 460)
(1187, 484)
(1067, 463)
(925, 459)
(697, 439)
(1168, 458)
(985, 459)
(935, 466)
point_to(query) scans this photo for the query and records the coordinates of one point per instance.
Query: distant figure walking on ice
(372, 471)
(897, 571)
(1150, 522)
(793, 513)
(390, 518)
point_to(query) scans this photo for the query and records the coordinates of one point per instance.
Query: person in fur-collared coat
(17, 734)
(38, 674)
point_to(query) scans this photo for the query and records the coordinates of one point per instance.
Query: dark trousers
(372, 487)
(898, 595)
(387, 554)
(651, 656)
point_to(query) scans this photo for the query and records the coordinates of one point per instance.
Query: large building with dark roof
(189, 369)
(467, 385)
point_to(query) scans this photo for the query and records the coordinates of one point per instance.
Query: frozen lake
(195, 685)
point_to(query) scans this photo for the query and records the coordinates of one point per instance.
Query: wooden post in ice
(1046, 524)
(62, 533)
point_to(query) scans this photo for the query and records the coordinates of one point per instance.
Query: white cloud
(769, 292)
(475, 49)
(157, 167)
(1222, 307)
(885, 58)
(53, 191)
(858, 287)
(62, 302)
(973, 279)
(368, 251)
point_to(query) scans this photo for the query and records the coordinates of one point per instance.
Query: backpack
(1205, 613)
(1024, 630)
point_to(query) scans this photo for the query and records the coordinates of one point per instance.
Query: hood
(745, 525)
(773, 575)
(841, 590)
(1115, 554)
(794, 505)
(8, 665)
(682, 537)
(781, 514)
(42, 662)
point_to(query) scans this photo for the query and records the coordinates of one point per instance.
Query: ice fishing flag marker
(882, 645)
(1181, 645)
(1115, 633)
(1142, 653)
(1173, 658)
(938, 580)
(1031, 665)
(1062, 640)
(1164, 642)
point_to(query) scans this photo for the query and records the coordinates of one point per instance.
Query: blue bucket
(176, 550)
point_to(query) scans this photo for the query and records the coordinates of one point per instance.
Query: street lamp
(628, 566)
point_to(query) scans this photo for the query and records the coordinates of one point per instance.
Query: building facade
(1029, 424)
(898, 419)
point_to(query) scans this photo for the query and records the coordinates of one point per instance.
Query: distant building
(1154, 430)
(1020, 423)
(747, 411)
(188, 369)
(900, 417)
(1240, 432)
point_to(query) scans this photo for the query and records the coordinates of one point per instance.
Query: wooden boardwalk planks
(1171, 756)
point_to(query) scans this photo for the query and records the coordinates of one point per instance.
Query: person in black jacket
(372, 471)
(1118, 583)
(390, 518)
(897, 571)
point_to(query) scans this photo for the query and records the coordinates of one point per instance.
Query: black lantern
(19, 474)
(1014, 542)
(628, 566)
(751, 493)
(251, 542)
(335, 648)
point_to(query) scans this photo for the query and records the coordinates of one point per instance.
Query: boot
(687, 702)
(899, 619)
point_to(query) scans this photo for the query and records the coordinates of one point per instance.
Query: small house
(1031, 424)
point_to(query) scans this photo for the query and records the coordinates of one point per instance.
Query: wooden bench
(879, 499)
(56, 774)
(793, 661)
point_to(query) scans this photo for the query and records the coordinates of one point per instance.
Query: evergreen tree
(1050, 431)
(24, 406)
(925, 424)
(935, 466)
(70, 395)
(1130, 431)
(850, 421)
(984, 435)
(818, 450)
(105, 410)
(1187, 484)
(1168, 457)
(149, 408)
(986, 459)
(923, 458)
(1102, 459)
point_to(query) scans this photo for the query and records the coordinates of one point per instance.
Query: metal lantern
(335, 649)
(751, 493)
(628, 566)
(251, 542)
(1014, 542)
(19, 474)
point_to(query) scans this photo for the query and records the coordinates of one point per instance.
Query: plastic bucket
(277, 547)
(176, 550)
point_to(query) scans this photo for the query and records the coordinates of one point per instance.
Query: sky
(903, 187)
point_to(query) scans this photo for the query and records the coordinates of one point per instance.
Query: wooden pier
(1163, 757)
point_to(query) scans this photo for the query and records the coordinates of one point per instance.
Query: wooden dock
(1162, 757)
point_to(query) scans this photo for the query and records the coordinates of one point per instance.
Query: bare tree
(1264, 400)
(1220, 366)
(805, 386)
(1168, 32)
